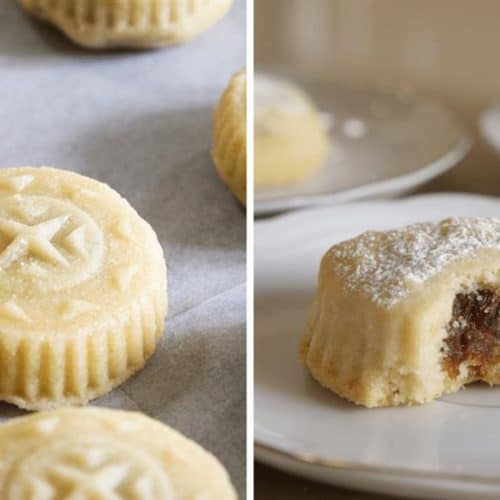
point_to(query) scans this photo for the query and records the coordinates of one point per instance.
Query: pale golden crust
(129, 23)
(102, 454)
(379, 347)
(82, 288)
(291, 138)
(229, 143)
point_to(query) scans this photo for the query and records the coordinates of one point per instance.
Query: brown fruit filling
(473, 333)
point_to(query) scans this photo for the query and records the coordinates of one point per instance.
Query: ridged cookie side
(129, 23)
(370, 355)
(72, 368)
(229, 136)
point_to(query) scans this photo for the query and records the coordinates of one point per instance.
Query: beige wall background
(446, 47)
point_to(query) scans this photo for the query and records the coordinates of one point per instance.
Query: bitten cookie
(82, 288)
(104, 454)
(405, 316)
(129, 23)
(229, 148)
(291, 137)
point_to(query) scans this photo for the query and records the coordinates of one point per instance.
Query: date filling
(473, 333)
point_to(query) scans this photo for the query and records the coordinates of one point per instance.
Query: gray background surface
(141, 121)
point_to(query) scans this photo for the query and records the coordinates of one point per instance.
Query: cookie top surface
(386, 266)
(96, 454)
(72, 251)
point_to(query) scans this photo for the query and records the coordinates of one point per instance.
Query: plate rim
(493, 139)
(341, 465)
(267, 224)
(376, 480)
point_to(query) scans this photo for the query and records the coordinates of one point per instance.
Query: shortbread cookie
(404, 316)
(291, 137)
(229, 149)
(82, 288)
(129, 23)
(96, 454)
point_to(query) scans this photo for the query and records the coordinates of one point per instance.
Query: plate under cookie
(384, 142)
(445, 449)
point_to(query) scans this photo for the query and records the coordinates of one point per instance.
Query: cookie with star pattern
(82, 288)
(102, 454)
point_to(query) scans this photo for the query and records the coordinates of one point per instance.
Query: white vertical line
(250, 250)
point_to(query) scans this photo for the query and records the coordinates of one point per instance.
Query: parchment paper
(141, 121)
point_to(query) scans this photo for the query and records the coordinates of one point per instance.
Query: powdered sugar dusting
(386, 265)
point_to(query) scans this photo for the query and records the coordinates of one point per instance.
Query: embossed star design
(32, 240)
(101, 484)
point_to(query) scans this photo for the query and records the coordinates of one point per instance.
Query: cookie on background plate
(105, 454)
(291, 135)
(129, 23)
(82, 288)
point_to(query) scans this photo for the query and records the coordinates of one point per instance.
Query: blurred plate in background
(384, 143)
(489, 126)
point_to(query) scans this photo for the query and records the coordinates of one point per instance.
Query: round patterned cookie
(230, 150)
(291, 138)
(82, 288)
(101, 454)
(129, 23)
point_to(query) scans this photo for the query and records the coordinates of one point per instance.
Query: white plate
(384, 143)
(447, 449)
